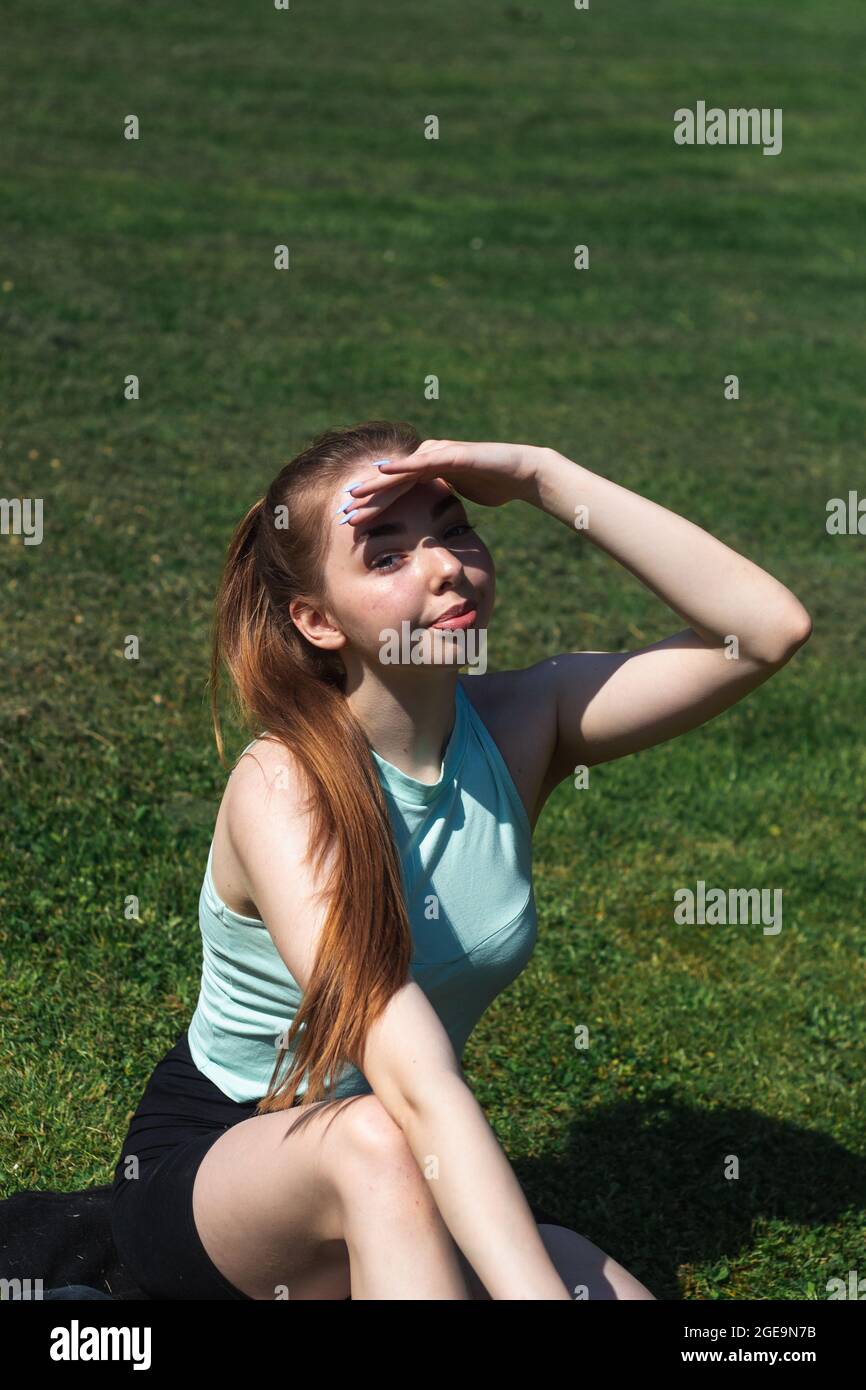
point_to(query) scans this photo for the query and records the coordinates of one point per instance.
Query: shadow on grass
(646, 1182)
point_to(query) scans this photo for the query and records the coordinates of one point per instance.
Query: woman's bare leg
(321, 1202)
(399, 1246)
(585, 1270)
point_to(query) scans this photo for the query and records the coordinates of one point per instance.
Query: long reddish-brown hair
(292, 690)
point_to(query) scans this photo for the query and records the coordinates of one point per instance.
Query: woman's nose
(441, 560)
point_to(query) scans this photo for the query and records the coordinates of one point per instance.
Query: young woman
(368, 890)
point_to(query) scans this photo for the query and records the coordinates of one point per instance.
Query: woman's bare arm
(411, 1065)
(744, 624)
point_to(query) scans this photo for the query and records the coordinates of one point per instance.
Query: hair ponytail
(294, 691)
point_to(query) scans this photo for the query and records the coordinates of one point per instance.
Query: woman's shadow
(659, 1185)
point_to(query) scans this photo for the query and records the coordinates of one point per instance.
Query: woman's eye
(376, 565)
(387, 568)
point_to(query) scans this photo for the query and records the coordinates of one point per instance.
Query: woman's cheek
(381, 606)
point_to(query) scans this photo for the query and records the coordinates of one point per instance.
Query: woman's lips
(460, 621)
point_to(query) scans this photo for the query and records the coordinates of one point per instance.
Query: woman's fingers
(381, 488)
(378, 483)
(360, 508)
(377, 486)
(402, 474)
(434, 454)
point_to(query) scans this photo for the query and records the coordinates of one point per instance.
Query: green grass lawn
(411, 258)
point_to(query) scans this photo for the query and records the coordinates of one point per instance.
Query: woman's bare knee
(366, 1121)
(398, 1243)
(373, 1163)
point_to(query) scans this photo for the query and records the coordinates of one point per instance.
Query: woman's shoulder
(267, 764)
(267, 783)
(264, 784)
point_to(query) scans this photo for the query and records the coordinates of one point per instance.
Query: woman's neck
(408, 726)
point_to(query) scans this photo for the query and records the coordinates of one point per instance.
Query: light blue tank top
(465, 849)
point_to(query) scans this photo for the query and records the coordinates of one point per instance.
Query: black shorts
(180, 1115)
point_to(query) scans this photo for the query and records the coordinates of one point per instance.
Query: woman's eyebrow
(397, 528)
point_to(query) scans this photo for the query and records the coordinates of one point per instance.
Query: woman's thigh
(269, 1198)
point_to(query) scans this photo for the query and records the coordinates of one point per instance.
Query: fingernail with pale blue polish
(379, 462)
(347, 517)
